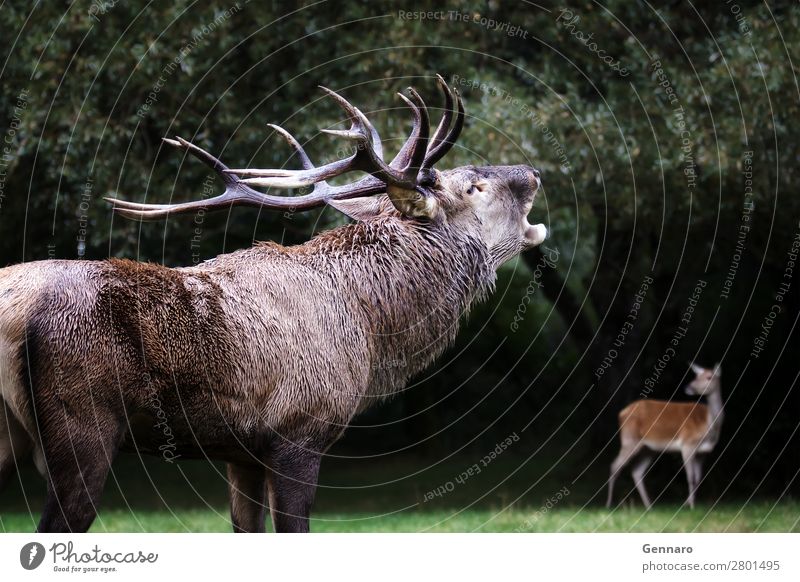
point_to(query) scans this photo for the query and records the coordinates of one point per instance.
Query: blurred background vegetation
(638, 118)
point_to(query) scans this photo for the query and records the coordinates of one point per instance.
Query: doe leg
(697, 473)
(638, 473)
(689, 466)
(625, 455)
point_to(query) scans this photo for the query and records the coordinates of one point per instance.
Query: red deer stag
(261, 357)
(692, 429)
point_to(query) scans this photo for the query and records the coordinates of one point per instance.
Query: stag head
(492, 200)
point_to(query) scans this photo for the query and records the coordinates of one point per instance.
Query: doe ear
(718, 369)
(359, 209)
(696, 369)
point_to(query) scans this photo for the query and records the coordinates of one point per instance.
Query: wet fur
(263, 346)
(259, 358)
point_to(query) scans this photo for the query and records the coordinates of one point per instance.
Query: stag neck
(397, 287)
(411, 284)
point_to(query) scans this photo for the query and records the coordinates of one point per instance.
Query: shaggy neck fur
(407, 282)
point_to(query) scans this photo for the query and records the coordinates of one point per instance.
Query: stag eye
(477, 187)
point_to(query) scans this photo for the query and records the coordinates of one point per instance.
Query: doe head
(705, 381)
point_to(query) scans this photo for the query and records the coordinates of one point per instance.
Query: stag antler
(400, 179)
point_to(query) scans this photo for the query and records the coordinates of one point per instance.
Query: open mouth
(535, 234)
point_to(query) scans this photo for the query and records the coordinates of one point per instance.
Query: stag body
(260, 357)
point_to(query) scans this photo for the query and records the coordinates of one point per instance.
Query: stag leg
(638, 472)
(292, 480)
(627, 452)
(14, 445)
(248, 491)
(78, 458)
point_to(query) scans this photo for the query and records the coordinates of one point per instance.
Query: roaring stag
(261, 357)
(648, 426)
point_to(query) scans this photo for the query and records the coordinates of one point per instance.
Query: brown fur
(660, 420)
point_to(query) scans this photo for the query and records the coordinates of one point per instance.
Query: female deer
(647, 426)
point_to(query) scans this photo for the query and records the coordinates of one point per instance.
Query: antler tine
(148, 212)
(321, 188)
(447, 113)
(236, 192)
(439, 150)
(358, 121)
(398, 179)
(305, 161)
(366, 158)
(361, 131)
(438, 144)
(202, 155)
(419, 134)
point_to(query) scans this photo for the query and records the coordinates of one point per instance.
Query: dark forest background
(645, 168)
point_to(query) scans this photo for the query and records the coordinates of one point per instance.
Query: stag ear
(413, 203)
(359, 209)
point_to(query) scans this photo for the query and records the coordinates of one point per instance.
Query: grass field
(755, 517)
(145, 495)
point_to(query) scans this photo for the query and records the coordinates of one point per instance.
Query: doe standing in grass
(692, 429)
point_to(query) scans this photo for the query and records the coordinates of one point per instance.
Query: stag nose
(534, 179)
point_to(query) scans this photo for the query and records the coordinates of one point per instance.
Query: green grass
(754, 517)
(148, 495)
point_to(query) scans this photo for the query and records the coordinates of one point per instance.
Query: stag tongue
(535, 234)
